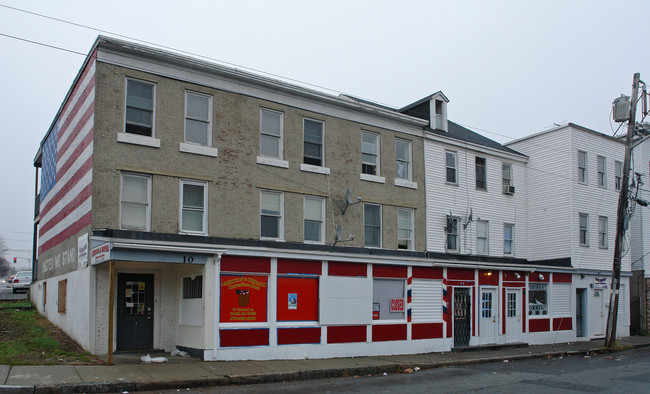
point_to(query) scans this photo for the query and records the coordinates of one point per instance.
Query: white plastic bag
(149, 359)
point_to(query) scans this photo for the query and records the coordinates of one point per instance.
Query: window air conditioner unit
(508, 189)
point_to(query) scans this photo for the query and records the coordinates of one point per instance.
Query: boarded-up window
(427, 300)
(561, 299)
(63, 286)
(44, 293)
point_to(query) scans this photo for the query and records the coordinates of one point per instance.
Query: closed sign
(397, 305)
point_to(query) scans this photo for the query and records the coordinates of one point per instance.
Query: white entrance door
(598, 315)
(489, 321)
(513, 315)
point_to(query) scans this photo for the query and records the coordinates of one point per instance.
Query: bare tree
(5, 267)
(3, 247)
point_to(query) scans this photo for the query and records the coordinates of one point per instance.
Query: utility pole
(612, 317)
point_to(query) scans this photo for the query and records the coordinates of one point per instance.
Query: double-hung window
(271, 215)
(369, 153)
(194, 212)
(135, 207)
(602, 232)
(271, 129)
(403, 159)
(506, 177)
(583, 229)
(482, 232)
(508, 239)
(372, 225)
(452, 230)
(582, 166)
(314, 219)
(313, 142)
(618, 175)
(451, 169)
(140, 103)
(602, 171)
(405, 228)
(481, 180)
(198, 118)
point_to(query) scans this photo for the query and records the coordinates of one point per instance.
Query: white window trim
(135, 139)
(606, 238)
(314, 169)
(457, 233)
(512, 241)
(410, 240)
(618, 188)
(209, 131)
(148, 211)
(269, 161)
(604, 185)
(281, 138)
(586, 215)
(372, 178)
(322, 224)
(483, 189)
(455, 182)
(487, 237)
(511, 180)
(586, 167)
(281, 222)
(410, 162)
(322, 144)
(548, 301)
(381, 222)
(188, 147)
(204, 231)
(153, 112)
(404, 183)
(377, 155)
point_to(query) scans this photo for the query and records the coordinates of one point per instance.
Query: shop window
(193, 287)
(538, 299)
(191, 305)
(243, 298)
(388, 301)
(297, 299)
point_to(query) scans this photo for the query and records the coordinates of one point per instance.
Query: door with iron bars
(134, 311)
(462, 316)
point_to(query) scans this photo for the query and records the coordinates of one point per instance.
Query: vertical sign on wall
(243, 298)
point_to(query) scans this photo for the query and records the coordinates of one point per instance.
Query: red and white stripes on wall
(67, 165)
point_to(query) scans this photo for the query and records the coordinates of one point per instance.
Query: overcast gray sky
(509, 68)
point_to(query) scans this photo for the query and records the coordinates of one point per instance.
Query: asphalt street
(623, 372)
(6, 293)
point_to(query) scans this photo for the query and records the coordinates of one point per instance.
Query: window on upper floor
(372, 225)
(405, 228)
(271, 130)
(506, 178)
(135, 202)
(369, 153)
(602, 232)
(508, 239)
(314, 223)
(271, 215)
(194, 211)
(198, 118)
(583, 229)
(582, 166)
(439, 115)
(452, 231)
(403, 154)
(140, 104)
(602, 171)
(451, 167)
(481, 180)
(618, 175)
(482, 233)
(313, 142)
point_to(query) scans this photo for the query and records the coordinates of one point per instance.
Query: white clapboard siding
(561, 299)
(426, 300)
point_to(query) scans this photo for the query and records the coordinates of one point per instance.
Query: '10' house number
(188, 259)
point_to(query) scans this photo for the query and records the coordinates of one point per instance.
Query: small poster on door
(293, 300)
(127, 293)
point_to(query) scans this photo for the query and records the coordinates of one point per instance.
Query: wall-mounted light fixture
(489, 273)
(541, 277)
(517, 275)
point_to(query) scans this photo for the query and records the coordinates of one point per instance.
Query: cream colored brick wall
(234, 178)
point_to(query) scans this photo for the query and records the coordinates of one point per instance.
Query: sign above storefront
(100, 254)
(600, 282)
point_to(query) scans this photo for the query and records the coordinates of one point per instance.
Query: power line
(42, 44)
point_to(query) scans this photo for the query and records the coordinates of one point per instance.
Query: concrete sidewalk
(130, 374)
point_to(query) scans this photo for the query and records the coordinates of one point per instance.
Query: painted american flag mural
(66, 173)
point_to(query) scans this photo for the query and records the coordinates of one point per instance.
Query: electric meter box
(621, 109)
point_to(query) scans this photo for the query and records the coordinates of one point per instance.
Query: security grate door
(462, 317)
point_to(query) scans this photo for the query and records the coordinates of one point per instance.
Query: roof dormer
(432, 108)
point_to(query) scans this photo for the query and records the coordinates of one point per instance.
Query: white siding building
(574, 182)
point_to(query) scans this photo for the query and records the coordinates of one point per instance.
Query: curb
(104, 387)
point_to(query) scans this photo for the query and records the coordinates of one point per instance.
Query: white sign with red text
(397, 305)
(100, 253)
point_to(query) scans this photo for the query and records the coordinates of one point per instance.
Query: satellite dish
(337, 237)
(349, 201)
